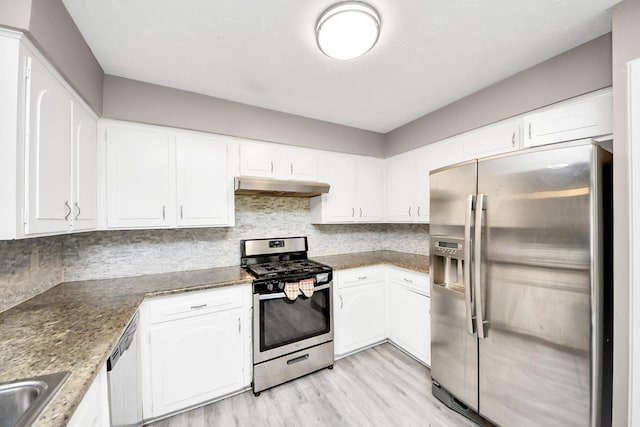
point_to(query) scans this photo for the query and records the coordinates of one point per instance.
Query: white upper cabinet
(48, 143)
(584, 117)
(160, 177)
(60, 155)
(138, 188)
(85, 158)
(407, 180)
(48, 152)
(497, 138)
(356, 190)
(267, 160)
(202, 182)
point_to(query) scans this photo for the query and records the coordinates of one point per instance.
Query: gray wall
(581, 70)
(50, 27)
(55, 33)
(148, 103)
(15, 13)
(626, 46)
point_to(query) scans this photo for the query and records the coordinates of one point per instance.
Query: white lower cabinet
(359, 308)
(93, 410)
(408, 306)
(373, 304)
(195, 348)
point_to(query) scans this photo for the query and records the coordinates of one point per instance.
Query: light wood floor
(381, 386)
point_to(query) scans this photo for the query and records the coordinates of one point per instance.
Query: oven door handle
(283, 295)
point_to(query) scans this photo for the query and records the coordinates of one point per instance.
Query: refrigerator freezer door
(454, 349)
(535, 361)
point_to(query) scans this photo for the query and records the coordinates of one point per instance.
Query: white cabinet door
(267, 160)
(369, 190)
(303, 164)
(359, 308)
(201, 179)
(258, 159)
(48, 154)
(339, 171)
(400, 186)
(409, 322)
(84, 140)
(93, 410)
(138, 188)
(498, 138)
(195, 360)
(360, 320)
(356, 191)
(585, 117)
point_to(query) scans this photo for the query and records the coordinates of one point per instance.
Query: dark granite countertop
(73, 326)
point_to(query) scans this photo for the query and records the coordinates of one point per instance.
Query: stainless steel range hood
(250, 185)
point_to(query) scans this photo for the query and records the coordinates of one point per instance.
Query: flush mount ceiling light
(348, 30)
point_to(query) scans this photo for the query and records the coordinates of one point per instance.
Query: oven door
(281, 326)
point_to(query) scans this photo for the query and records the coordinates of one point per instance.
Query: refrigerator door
(535, 359)
(454, 351)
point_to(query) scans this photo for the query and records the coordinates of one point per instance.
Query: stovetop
(287, 268)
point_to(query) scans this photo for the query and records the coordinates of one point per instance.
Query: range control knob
(269, 286)
(281, 285)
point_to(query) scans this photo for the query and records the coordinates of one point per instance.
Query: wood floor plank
(380, 386)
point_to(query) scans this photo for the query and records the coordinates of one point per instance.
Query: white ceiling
(263, 52)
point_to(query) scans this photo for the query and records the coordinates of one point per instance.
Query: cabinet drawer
(359, 276)
(173, 307)
(414, 281)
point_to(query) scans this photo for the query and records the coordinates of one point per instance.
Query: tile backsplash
(108, 254)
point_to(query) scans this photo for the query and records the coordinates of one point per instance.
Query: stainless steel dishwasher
(125, 399)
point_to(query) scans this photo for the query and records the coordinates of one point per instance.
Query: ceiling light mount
(348, 30)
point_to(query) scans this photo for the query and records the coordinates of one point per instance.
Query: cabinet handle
(181, 212)
(271, 166)
(341, 302)
(362, 277)
(529, 130)
(239, 325)
(409, 210)
(78, 208)
(418, 210)
(513, 139)
(407, 280)
(195, 307)
(353, 212)
(66, 203)
(164, 209)
(360, 212)
(291, 168)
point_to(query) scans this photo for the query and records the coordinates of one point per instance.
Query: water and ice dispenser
(448, 262)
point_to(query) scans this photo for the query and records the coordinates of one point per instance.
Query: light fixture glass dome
(348, 30)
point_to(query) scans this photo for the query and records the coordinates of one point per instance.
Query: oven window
(283, 322)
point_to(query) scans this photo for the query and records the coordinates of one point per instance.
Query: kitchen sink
(21, 401)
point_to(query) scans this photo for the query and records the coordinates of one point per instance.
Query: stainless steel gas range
(292, 310)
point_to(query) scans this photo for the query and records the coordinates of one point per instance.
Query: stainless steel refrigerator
(521, 286)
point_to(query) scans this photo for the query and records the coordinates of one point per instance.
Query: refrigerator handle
(477, 258)
(467, 265)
